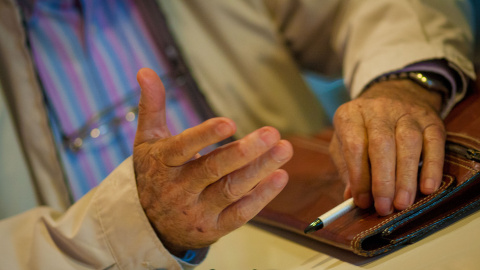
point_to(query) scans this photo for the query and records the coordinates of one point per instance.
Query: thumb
(152, 123)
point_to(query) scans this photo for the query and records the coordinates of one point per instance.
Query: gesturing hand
(380, 139)
(193, 200)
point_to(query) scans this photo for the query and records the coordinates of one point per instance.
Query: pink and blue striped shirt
(87, 54)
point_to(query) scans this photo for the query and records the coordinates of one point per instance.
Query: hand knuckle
(380, 142)
(435, 132)
(407, 187)
(358, 182)
(382, 185)
(434, 162)
(355, 145)
(243, 149)
(142, 109)
(229, 192)
(341, 114)
(211, 168)
(410, 135)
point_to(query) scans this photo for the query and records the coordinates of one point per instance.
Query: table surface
(256, 246)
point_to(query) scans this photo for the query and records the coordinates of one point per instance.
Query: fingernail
(281, 152)
(223, 129)
(280, 180)
(384, 206)
(428, 186)
(267, 137)
(403, 199)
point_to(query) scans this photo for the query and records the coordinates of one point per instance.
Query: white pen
(330, 216)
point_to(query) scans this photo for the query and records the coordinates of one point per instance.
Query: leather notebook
(314, 188)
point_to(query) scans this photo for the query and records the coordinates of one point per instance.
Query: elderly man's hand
(381, 137)
(193, 200)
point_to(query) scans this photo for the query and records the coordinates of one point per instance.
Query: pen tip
(314, 226)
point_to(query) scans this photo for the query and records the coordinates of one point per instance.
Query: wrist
(432, 82)
(406, 90)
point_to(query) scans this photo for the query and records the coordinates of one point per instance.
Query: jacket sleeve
(106, 229)
(380, 36)
(367, 38)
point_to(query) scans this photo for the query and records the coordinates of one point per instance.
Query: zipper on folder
(468, 153)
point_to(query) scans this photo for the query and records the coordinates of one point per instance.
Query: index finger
(352, 143)
(177, 150)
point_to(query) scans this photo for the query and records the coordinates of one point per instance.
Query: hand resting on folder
(380, 138)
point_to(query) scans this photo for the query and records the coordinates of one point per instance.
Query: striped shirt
(87, 54)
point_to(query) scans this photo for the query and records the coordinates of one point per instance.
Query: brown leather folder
(314, 188)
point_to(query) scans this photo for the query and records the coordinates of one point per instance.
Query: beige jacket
(248, 57)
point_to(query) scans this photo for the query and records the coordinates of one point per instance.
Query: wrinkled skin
(380, 138)
(193, 200)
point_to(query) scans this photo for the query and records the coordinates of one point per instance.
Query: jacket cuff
(381, 63)
(451, 79)
(128, 233)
